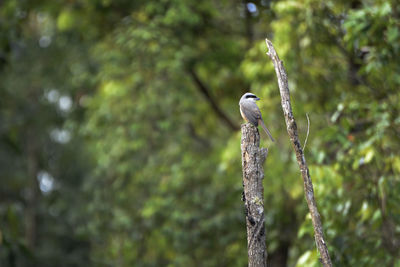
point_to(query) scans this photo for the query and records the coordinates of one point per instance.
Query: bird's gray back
(250, 110)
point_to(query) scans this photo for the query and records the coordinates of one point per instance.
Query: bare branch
(301, 160)
(206, 92)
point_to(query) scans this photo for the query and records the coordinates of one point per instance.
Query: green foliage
(104, 99)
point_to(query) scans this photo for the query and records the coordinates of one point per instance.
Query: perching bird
(251, 113)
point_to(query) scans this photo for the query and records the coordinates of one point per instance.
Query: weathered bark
(301, 160)
(253, 196)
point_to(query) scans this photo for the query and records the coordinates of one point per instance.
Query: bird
(251, 113)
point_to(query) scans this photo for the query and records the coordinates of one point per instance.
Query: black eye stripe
(251, 96)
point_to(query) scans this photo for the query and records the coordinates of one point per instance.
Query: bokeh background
(120, 140)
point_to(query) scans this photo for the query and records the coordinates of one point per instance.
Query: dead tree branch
(301, 160)
(206, 93)
(253, 158)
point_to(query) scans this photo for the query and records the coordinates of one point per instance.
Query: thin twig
(308, 131)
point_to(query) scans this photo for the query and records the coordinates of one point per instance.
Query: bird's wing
(252, 112)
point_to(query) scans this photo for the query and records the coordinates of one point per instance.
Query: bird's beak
(257, 98)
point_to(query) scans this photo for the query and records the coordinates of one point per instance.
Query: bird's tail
(266, 130)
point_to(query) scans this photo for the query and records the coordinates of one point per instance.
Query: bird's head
(250, 96)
